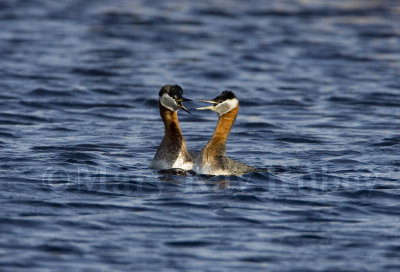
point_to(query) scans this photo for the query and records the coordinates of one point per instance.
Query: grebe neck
(217, 144)
(172, 152)
(173, 132)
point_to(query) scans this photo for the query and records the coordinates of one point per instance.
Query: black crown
(225, 95)
(174, 91)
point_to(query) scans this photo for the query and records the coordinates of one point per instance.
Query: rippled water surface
(319, 90)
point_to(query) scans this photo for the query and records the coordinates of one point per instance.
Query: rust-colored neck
(171, 123)
(217, 144)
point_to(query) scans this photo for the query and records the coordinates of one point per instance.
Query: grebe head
(222, 104)
(171, 97)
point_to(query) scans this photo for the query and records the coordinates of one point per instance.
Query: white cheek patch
(169, 102)
(226, 106)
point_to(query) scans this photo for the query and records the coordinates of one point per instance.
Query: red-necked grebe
(212, 159)
(172, 152)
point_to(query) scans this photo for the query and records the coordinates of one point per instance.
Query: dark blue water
(319, 90)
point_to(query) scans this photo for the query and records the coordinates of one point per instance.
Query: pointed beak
(184, 108)
(179, 102)
(206, 108)
(209, 107)
(207, 101)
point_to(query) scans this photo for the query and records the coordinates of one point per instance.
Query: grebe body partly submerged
(172, 152)
(212, 159)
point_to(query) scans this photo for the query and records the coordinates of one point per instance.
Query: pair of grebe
(212, 160)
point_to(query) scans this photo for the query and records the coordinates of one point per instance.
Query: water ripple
(318, 88)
